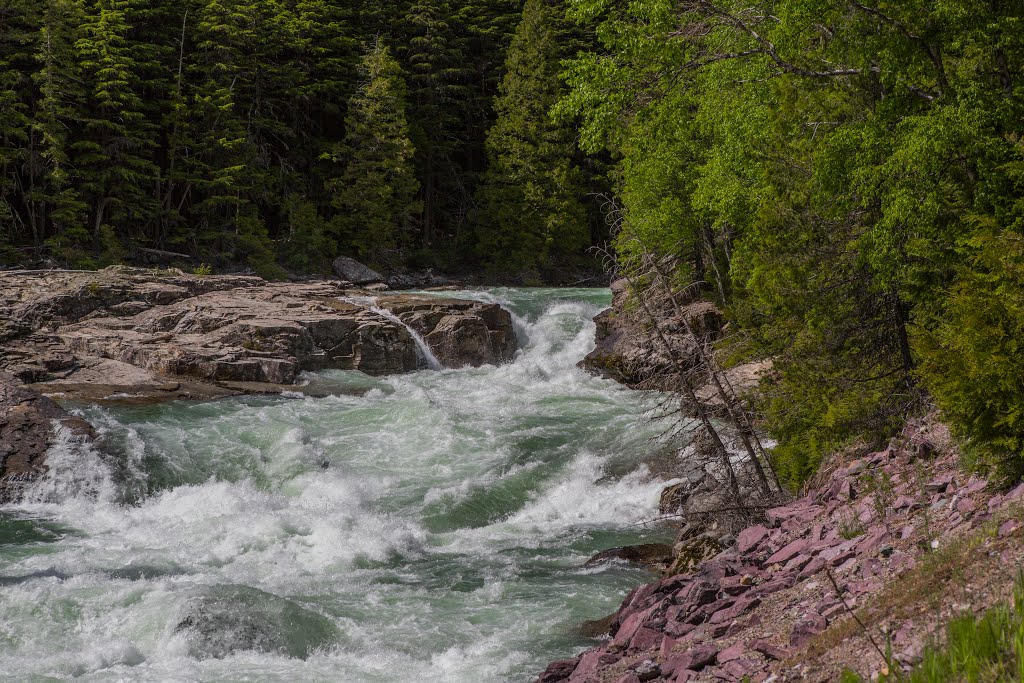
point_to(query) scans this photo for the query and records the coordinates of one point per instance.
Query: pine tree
(53, 200)
(376, 193)
(17, 29)
(434, 67)
(531, 202)
(114, 154)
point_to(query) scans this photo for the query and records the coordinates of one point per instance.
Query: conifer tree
(531, 201)
(434, 67)
(52, 198)
(113, 155)
(375, 195)
(17, 28)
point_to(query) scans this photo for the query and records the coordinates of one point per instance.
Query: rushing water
(426, 527)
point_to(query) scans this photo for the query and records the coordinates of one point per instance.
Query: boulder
(654, 556)
(28, 423)
(459, 332)
(355, 272)
(691, 552)
(228, 619)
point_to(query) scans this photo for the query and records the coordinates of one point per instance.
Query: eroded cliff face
(157, 335)
(630, 351)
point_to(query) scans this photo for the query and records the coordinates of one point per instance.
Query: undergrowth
(984, 649)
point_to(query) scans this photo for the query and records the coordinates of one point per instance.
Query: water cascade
(430, 526)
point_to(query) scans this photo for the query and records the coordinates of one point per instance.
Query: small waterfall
(422, 349)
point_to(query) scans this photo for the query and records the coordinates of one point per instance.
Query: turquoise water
(427, 527)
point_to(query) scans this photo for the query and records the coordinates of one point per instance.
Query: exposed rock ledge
(168, 333)
(630, 353)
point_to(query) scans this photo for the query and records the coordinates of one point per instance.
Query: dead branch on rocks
(666, 308)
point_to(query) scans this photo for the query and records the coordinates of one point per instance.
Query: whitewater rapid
(424, 527)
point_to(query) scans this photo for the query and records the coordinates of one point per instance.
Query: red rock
(975, 485)
(684, 676)
(787, 551)
(732, 652)
(832, 610)
(739, 668)
(590, 662)
(870, 544)
(768, 650)
(848, 565)
(629, 678)
(805, 629)
(731, 613)
(904, 502)
(557, 671)
(735, 586)
(901, 562)
(797, 563)
(838, 549)
(871, 567)
(842, 558)
(798, 510)
(965, 506)
(667, 644)
(701, 593)
(1008, 527)
(774, 586)
(644, 639)
(1014, 494)
(678, 629)
(940, 483)
(714, 608)
(812, 568)
(630, 626)
(694, 659)
(750, 537)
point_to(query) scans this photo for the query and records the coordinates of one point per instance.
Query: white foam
(241, 496)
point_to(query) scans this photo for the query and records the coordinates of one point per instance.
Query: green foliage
(845, 179)
(531, 202)
(973, 361)
(376, 193)
(212, 127)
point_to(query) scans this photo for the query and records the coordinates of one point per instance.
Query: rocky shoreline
(778, 603)
(782, 591)
(128, 334)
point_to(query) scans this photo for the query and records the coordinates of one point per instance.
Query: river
(424, 527)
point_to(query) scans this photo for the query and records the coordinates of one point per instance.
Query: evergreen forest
(844, 178)
(273, 135)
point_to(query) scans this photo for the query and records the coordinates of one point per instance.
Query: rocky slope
(777, 603)
(132, 334)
